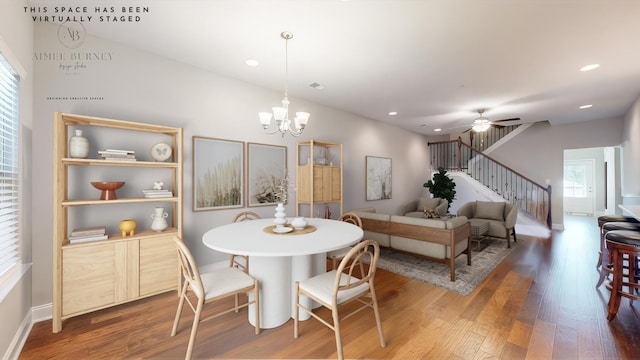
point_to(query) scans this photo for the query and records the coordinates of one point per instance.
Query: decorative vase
(159, 220)
(128, 227)
(78, 146)
(327, 213)
(299, 223)
(280, 216)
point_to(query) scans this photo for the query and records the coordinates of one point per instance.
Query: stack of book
(118, 155)
(153, 193)
(88, 234)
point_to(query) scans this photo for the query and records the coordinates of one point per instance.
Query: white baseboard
(20, 338)
(42, 312)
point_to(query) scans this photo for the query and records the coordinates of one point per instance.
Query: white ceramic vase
(159, 220)
(280, 216)
(78, 146)
(299, 223)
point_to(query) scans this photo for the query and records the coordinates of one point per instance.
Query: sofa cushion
(424, 248)
(454, 222)
(372, 215)
(380, 238)
(428, 203)
(415, 214)
(490, 210)
(417, 221)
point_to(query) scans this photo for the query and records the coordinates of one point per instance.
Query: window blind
(9, 210)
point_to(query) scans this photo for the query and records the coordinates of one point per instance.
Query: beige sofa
(501, 217)
(416, 207)
(434, 239)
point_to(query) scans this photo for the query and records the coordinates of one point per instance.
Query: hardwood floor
(540, 303)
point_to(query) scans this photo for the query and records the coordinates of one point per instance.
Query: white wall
(538, 152)
(631, 155)
(16, 43)
(142, 87)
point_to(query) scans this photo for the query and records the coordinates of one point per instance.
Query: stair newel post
(549, 220)
(459, 153)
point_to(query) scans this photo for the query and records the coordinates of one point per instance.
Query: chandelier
(482, 123)
(281, 113)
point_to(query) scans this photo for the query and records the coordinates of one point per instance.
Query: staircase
(530, 197)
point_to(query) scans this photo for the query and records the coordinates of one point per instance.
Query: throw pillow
(431, 214)
(490, 210)
(428, 203)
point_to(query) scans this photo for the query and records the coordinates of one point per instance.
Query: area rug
(492, 252)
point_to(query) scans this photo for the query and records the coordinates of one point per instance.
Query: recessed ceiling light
(586, 106)
(438, 129)
(393, 113)
(252, 63)
(317, 86)
(589, 67)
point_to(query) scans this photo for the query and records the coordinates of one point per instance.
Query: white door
(578, 186)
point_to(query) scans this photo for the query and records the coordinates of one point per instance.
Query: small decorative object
(431, 214)
(327, 213)
(108, 188)
(157, 185)
(128, 226)
(78, 146)
(299, 223)
(159, 219)
(280, 216)
(161, 152)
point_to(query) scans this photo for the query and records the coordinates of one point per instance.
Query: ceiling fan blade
(512, 119)
(509, 122)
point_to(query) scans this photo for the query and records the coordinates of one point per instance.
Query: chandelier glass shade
(481, 124)
(283, 124)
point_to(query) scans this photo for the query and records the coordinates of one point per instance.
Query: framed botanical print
(378, 182)
(266, 174)
(218, 174)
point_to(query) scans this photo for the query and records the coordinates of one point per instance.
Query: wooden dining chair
(234, 261)
(338, 287)
(211, 286)
(337, 255)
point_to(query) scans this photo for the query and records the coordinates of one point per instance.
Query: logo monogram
(71, 34)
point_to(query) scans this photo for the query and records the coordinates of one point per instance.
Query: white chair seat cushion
(340, 253)
(224, 281)
(321, 286)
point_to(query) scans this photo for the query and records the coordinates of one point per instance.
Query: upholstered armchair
(501, 217)
(415, 208)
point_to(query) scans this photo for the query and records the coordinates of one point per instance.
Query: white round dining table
(279, 260)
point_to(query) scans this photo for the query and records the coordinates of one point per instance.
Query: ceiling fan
(482, 123)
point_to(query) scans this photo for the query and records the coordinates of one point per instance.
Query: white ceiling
(433, 61)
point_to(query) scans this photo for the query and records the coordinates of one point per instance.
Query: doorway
(579, 191)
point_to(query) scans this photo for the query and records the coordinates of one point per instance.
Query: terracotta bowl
(108, 188)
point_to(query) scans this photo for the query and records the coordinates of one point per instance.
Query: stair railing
(512, 186)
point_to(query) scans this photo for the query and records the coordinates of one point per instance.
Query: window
(9, 212)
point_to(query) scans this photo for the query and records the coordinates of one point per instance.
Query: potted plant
(442, 186)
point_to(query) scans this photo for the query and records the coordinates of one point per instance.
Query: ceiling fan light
(481, 127)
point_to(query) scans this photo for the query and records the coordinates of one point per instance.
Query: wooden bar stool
(614, 218)
(606, 227)
(623, 245)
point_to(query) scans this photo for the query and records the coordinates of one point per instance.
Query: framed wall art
(266, 174)
(218, 174)
(378, 178)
